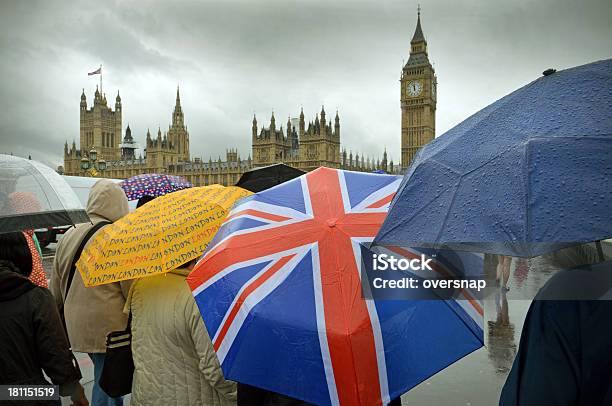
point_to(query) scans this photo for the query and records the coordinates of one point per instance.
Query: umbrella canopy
(152, 184)
(529, 174)
(279, 289)
(32, 195)
(159, 236)
(259, 179)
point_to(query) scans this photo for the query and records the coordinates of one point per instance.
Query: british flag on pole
(279, 289)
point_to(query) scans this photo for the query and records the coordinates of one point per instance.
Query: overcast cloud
(235, 58)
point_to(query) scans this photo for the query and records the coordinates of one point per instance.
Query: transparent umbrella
(32, 195)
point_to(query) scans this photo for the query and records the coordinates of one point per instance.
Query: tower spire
(418, 88)
(418, 32)
(177, 115)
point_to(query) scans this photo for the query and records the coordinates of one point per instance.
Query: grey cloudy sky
(236, 58)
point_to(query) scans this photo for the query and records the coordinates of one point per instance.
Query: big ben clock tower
(418, 98)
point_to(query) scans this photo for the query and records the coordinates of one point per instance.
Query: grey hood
(107, 200)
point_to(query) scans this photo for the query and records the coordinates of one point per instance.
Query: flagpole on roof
(101, 79)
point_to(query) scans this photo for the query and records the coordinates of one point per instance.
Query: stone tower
(418, 98)
(304, 147)
(128, 146)
(100, 127)
(178, 136)
(270, 145)
(320, 142)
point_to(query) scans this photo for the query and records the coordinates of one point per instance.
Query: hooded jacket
(90, 313)
(174, 359)
(31, 335)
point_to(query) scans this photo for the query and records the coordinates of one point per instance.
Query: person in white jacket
(174, 359)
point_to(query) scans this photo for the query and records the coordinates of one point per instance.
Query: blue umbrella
(527, 175)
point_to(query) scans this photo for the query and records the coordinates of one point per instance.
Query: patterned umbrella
(152, 184)
(279, 290)
(158, 237)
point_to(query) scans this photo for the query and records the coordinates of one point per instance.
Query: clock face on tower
(414, 88)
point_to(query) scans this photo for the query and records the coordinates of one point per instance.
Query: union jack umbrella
(279, 289)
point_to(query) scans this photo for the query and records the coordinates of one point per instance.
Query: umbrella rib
(489, 113)
(448, 211)
(399, 224)
(463, 321)
(526, 161)
(461, 176)
(43, 189)
(526, 179)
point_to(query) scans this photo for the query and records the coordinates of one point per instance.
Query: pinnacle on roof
(128, 134)
(418, 32)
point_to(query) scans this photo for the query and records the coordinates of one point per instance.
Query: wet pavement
(475, 380)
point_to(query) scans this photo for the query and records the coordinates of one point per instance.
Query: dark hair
(189, 263)
(14, 248)
(144, 199)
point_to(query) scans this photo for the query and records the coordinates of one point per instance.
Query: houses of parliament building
(107, 151)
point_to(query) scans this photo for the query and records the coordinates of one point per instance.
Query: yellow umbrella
(159, 236)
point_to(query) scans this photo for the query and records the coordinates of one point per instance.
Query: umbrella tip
(549, 72)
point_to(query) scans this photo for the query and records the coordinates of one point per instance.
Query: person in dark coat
(565, 351)
(32, 337)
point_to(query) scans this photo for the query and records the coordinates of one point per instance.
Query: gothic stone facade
(301, 145)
